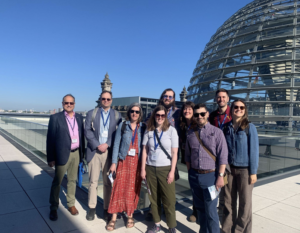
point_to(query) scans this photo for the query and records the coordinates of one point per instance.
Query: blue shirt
(102, 127)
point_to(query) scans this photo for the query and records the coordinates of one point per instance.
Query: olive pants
(161, 191)
(71, 167)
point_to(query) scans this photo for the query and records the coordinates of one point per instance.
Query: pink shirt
(73, 130)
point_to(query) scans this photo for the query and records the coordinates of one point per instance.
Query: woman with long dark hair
(186, 120)
(127, 185)
(243, 156)
(160, 147)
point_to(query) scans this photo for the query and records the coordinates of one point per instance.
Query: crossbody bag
(210, 154)
(176, 175)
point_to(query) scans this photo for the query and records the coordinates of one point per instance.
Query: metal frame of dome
(255, 55)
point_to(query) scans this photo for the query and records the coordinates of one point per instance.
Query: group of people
(217, 147)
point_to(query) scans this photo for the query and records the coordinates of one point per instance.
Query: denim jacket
(243, 150)
(121, 145)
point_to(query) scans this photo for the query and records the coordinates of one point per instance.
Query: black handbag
(176, 175)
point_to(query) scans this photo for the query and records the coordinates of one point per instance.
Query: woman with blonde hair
(160, 147)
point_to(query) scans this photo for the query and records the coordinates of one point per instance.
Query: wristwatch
(221, 174)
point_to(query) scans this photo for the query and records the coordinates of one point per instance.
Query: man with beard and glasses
(206, 156)
(167, 99)
(219, 118)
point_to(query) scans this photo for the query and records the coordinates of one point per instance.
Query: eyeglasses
(160, 116)
(136, 112)
(201, 114)
(107, 99)
(168, 97)
(67, 103)
(239, 107)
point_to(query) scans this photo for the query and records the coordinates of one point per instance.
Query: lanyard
(133, 138)
(221, 126)
(156, 145)
(71, 125)
(104, 124)
(169, 114)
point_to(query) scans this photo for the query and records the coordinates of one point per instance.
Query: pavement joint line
(277, 222)
(18, 211)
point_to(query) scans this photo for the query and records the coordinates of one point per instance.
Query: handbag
(211, 155)
(176, 175)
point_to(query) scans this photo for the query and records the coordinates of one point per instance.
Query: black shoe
(53, 215)
(91, 214)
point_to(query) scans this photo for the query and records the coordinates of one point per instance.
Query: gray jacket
(92, 136)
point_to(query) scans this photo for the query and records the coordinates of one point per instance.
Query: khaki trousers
(71, 167)
(100, 162)
(163, 192)
(238, 187)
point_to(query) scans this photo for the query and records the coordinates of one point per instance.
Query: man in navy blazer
(65, 149)
(100, 137)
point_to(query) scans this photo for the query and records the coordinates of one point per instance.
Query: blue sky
(54, 47)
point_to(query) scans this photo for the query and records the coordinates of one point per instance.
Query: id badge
(154, 156)
(131, 152)
(74, 140)
(104, 134)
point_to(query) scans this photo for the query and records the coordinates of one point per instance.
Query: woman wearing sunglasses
(127, 183)
(243, 156)
(160, 147)
(186, 117)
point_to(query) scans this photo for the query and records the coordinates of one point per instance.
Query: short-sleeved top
(169, 140)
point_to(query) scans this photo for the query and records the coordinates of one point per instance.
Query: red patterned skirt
(127, 185)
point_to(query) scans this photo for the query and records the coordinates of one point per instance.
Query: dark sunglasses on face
(103, 99)
(201, 114)
(136, 112)
(241, 107)
(67, 103)
(168, 97)
(158, 115)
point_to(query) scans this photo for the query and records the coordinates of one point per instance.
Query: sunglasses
(136, 112)
(107, 99)
(162, 116)
(67, 103)
(239, 107)
(201, 114)
(168, 97)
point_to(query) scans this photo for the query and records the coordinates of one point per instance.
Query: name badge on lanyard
(221, 125)
(74, 140)
(154, 153)
(105, 132)
(131, 152)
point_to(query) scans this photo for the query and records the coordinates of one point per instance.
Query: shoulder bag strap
(93, 117)
(201, 143)
(164, 150)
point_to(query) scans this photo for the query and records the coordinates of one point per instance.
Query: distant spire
(183, 95)
(106, 85)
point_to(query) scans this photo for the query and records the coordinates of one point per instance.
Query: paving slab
(10, 186)
(272, 193)
(14, 202)
(3, 165)
(293, 201)
(37, 182)
(259, 203)
(29, 221)
(6, 174)
(265, 225)
(282, 213)
(27, 171)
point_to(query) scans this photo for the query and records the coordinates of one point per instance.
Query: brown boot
(73, 210)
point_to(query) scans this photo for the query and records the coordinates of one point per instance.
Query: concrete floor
(24, 201)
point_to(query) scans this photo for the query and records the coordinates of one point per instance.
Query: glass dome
(255, 55)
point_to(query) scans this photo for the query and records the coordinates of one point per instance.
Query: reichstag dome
(255, 55)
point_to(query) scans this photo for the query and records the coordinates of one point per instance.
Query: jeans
(206, 208)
